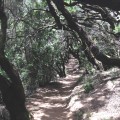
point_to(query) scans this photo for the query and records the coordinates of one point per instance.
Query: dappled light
(59, 59)
(50, 102)
(58, 101)
(100, 103)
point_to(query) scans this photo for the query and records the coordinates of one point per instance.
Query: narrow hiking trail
(50, 103)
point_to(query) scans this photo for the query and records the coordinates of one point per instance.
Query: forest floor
(100, 103)
(66, 100)
(50, 103)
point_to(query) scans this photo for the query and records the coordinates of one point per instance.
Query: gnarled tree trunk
(11, 87)
(91, 51)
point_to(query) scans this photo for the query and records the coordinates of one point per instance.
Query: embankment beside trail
(100, 103)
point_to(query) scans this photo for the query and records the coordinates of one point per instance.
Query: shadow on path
(50, 103)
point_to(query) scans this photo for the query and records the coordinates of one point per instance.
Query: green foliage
(36, 47)
(117, 29)
(3, 73)
(40, 51)
(78, 115)
(88, 86)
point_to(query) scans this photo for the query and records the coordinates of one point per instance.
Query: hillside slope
(101, 103)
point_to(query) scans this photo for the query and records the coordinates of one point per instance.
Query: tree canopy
(38, 37)
(112, 4)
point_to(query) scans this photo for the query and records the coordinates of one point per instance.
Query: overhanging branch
(3, 19)
(86, 41)
(112, 4)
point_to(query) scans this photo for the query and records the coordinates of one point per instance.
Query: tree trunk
(13, 92)
(91, 52)
(112, 4)
(11, 87)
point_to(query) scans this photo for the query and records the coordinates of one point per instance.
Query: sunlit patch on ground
(102, 103)
(59, 101)
(50, 103)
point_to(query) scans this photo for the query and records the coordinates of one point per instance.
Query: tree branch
(57, 19)
(86, 41)
(3, 19)
(112, 4)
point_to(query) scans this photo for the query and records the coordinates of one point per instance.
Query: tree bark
(112, 4)
(13, 92)
(88, 46)
(11, 86)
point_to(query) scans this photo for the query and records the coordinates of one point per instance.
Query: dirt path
(50, 103)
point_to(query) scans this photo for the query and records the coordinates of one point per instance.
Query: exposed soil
(50, 103)
(62, 100)
(101, 103)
